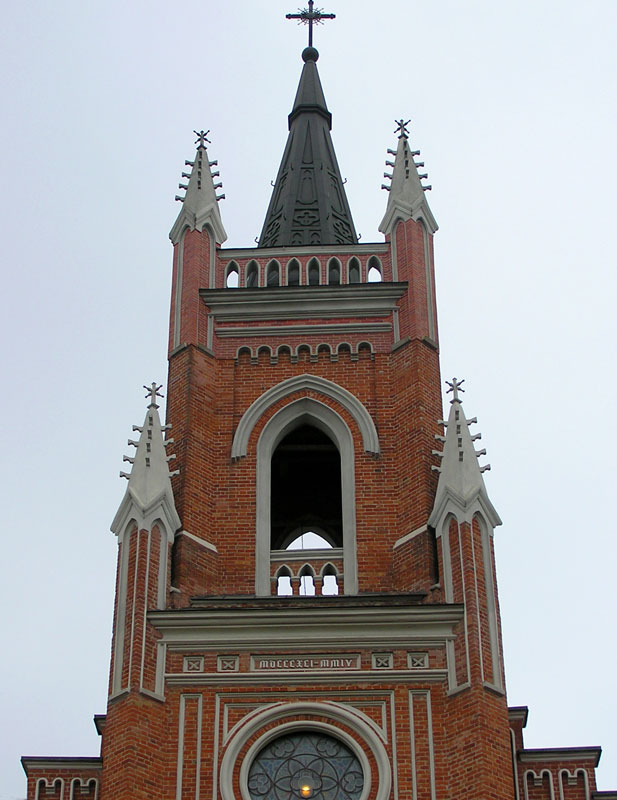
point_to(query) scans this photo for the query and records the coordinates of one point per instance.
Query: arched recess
(286, 718)
(305, 411)
(347, 400)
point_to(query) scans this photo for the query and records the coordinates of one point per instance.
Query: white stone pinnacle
(406, 195)
(149, 494)
(461, 489)
(200, 203)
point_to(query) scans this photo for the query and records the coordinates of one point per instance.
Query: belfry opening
(306, 490)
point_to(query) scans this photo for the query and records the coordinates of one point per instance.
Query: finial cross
(401, 128)
(153, 393)
(455, 388)
(309, 16)
(202, 138)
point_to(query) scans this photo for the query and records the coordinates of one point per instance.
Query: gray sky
(513, 107)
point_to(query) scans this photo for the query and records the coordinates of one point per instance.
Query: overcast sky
(513, 107)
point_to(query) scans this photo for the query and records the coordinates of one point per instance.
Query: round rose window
(305, 765)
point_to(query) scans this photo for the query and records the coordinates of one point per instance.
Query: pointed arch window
(334, 271)
(293, 272)
(251, 279)
(314, 271)
(375, 273)
(354, 270)
(232, 275)
(273, 274)
(306, 488)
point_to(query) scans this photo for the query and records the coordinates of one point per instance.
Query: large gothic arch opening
(305, 423)
(305, 494)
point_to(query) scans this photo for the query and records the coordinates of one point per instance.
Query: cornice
(302, 678)
(61, 762)
(368, 248)
(306, 627)
(303, 302)
(541, 755)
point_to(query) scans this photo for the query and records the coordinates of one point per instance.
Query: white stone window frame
(273, 263)
(348, 270)
(367, 738)
(305, 411)
(232, 266)
(289, 263)
(374, 262)
(340, 271)
(247, 267)
(307, 269)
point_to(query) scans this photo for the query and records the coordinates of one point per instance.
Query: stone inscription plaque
(319, 662)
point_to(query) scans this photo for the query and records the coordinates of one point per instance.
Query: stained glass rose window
(305, 765)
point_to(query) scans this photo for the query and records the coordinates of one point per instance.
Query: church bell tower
(306, 599)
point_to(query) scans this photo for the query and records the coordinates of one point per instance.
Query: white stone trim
(368, 677)
(203, 542)
(331, 711)
(48, 785)
(375, 299)
(305, 382)
(123, 566)
(538, 779)
(325, 329)
(181, 726)
(83, 782)
(491, 603)
(572, 776)
(426, 695)
(517, 794)
(304, 410)
(430, 289)
(366, 249)
(409, 536)
(178, 295)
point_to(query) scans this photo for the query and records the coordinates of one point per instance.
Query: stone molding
(305, 382)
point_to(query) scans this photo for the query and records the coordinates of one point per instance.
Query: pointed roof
(308, 204)
(149, 495)
(200, 203)
(406, 194)
(461, 490)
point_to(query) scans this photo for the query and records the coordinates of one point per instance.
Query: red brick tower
(306, 605)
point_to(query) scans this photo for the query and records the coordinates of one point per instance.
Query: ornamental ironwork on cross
(310, 16)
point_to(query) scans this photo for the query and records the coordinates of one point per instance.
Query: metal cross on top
(308, 16)
(153, 393)
(202, 138)
(455, 388)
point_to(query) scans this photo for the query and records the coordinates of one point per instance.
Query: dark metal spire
(308, 204)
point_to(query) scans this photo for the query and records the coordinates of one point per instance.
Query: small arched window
(273, 274)
(231, 275)
(293, 272)
(283, 582)
(314, 271)
(329, 583)
(374, 270)
(354, 270)
(307, 580)
(334, 271)
(251, 279)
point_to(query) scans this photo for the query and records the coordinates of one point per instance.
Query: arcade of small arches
(313, 353)
(333, 272)
(307, 582)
